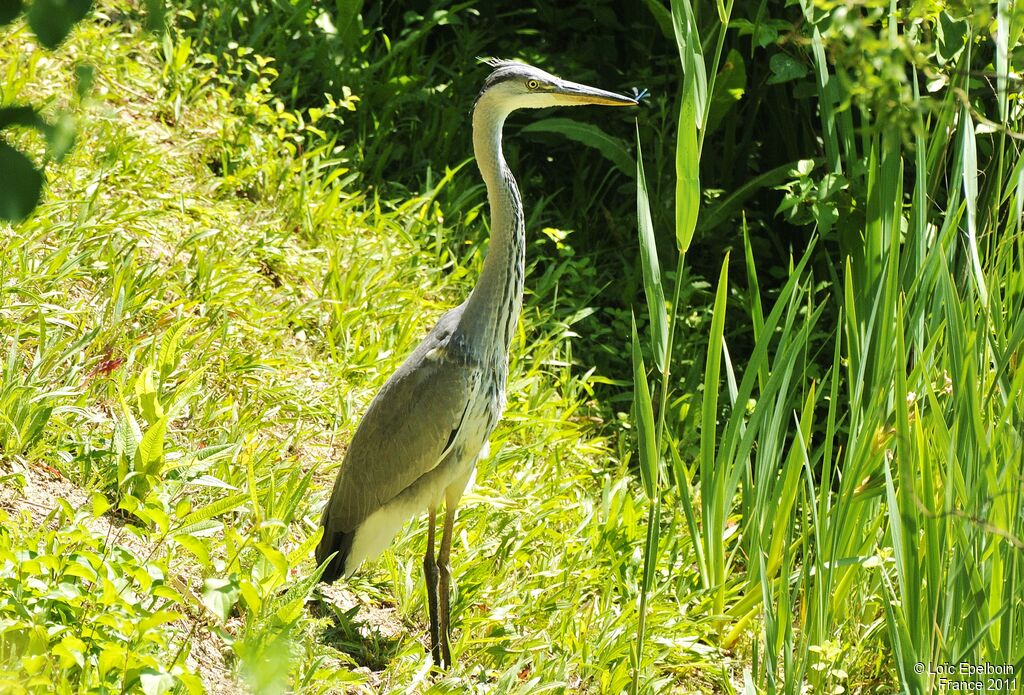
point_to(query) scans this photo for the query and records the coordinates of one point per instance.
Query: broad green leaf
(216, 451)
(194, 546)
(21, 115)
(71, 651)
(276, 558)
(9, 10)
(167, 592)
(131, 432)
(251, 597)
(112, 656)
(305, 586)
(149, 457)
(346, 17)
(52, 20)
(264, 662)
(220, 596)
(33, 428)
(167, 361)
(159, 517)
(20, 184)
(100, 505)
(952, 37)
(201, 529)
(182, 507)
(145, 389)
(614, 149)
(153, 682)
(125, 441)
(785, 68)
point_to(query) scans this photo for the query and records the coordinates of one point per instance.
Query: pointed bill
(572, 93)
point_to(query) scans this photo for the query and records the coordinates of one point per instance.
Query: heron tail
(334, 541)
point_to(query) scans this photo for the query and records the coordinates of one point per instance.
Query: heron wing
(407, 431)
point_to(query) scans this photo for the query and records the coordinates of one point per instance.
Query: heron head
(514, 85)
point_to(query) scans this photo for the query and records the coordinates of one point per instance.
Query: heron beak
(574, 94)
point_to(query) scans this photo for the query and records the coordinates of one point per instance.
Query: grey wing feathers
(405, 431)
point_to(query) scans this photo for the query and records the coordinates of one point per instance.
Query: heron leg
(430, 572)
(445, 581)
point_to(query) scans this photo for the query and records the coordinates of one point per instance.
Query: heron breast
(482, 416)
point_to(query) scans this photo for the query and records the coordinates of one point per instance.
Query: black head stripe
(500, 75)
(504, 70)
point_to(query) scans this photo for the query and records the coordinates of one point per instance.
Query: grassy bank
(193, 322)
(810, 481)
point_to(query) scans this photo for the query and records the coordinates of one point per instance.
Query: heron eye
(532, 84)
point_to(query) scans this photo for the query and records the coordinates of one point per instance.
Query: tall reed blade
(650, 266)
(692, 111)
(712, 479)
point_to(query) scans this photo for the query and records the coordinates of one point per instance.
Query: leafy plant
(22, 183)
(818, 484)
(843, 470)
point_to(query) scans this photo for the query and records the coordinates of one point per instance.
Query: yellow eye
(532, 84)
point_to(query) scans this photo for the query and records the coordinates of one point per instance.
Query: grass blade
(650, 266)
(970, 181)
(644, 416)
(712, 480)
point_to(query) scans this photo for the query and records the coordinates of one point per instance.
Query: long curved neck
(492, 310)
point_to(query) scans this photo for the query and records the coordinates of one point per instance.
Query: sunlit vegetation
(766, 401)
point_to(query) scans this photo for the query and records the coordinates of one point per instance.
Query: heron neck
(492, 310)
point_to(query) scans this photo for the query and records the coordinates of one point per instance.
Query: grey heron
(419, 441)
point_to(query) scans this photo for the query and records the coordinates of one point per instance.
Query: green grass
(195, 319)
(822, 496)
(863, 522)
